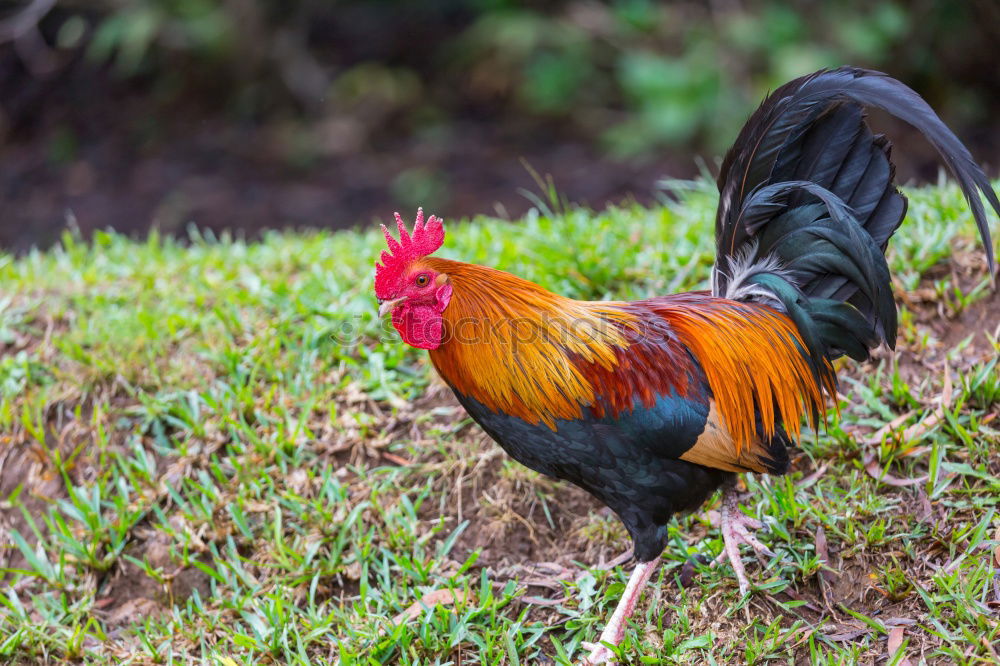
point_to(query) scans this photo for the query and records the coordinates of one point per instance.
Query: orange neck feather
(514, 345)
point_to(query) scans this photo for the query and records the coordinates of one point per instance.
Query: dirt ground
(117, 159)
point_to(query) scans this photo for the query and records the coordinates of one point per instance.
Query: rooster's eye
(422, 280)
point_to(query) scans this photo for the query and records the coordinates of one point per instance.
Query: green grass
(213, 450)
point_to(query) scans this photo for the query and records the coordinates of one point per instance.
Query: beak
(385, 307)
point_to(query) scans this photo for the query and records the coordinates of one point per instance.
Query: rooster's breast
(630, 462)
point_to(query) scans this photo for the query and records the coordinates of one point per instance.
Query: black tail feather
(808, 197)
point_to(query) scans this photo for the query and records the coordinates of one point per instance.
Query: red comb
(425, 240)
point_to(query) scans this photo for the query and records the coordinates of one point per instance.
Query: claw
(736, 531)
(599, 654)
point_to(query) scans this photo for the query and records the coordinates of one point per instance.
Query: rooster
(653, 405)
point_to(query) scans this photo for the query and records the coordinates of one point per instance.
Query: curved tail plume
(808, 203)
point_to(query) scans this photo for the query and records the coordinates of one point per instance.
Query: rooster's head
(410, 290)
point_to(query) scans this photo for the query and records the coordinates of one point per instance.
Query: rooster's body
(652, 405)
(629, 401)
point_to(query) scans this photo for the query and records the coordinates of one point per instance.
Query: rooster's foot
(737, 529)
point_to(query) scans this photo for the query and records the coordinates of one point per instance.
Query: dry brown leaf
(795, 596)
(823, 553)
(399, 460)
(541, 601)
(915, 451)
(687, 574)
(874, 471)
(896, 644)
(876, 437)
(813, 478)
(895, 641)
(922, 427)
(847, 635)
(298, 481)
(549, 583)
(428, 601)
(926, 510)
(991, 649)
(918, 429)
(134, 610)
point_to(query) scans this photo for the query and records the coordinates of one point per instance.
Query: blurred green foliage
(636, 75)
(130, 30)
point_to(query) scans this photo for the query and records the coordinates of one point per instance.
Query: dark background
(253, 114)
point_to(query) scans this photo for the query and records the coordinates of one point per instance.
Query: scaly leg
(614, 632)
(736, 530)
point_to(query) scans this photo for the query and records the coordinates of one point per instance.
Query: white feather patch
(744, 265)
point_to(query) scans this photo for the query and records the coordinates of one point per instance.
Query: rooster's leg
(615, 629)
(737, 530)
